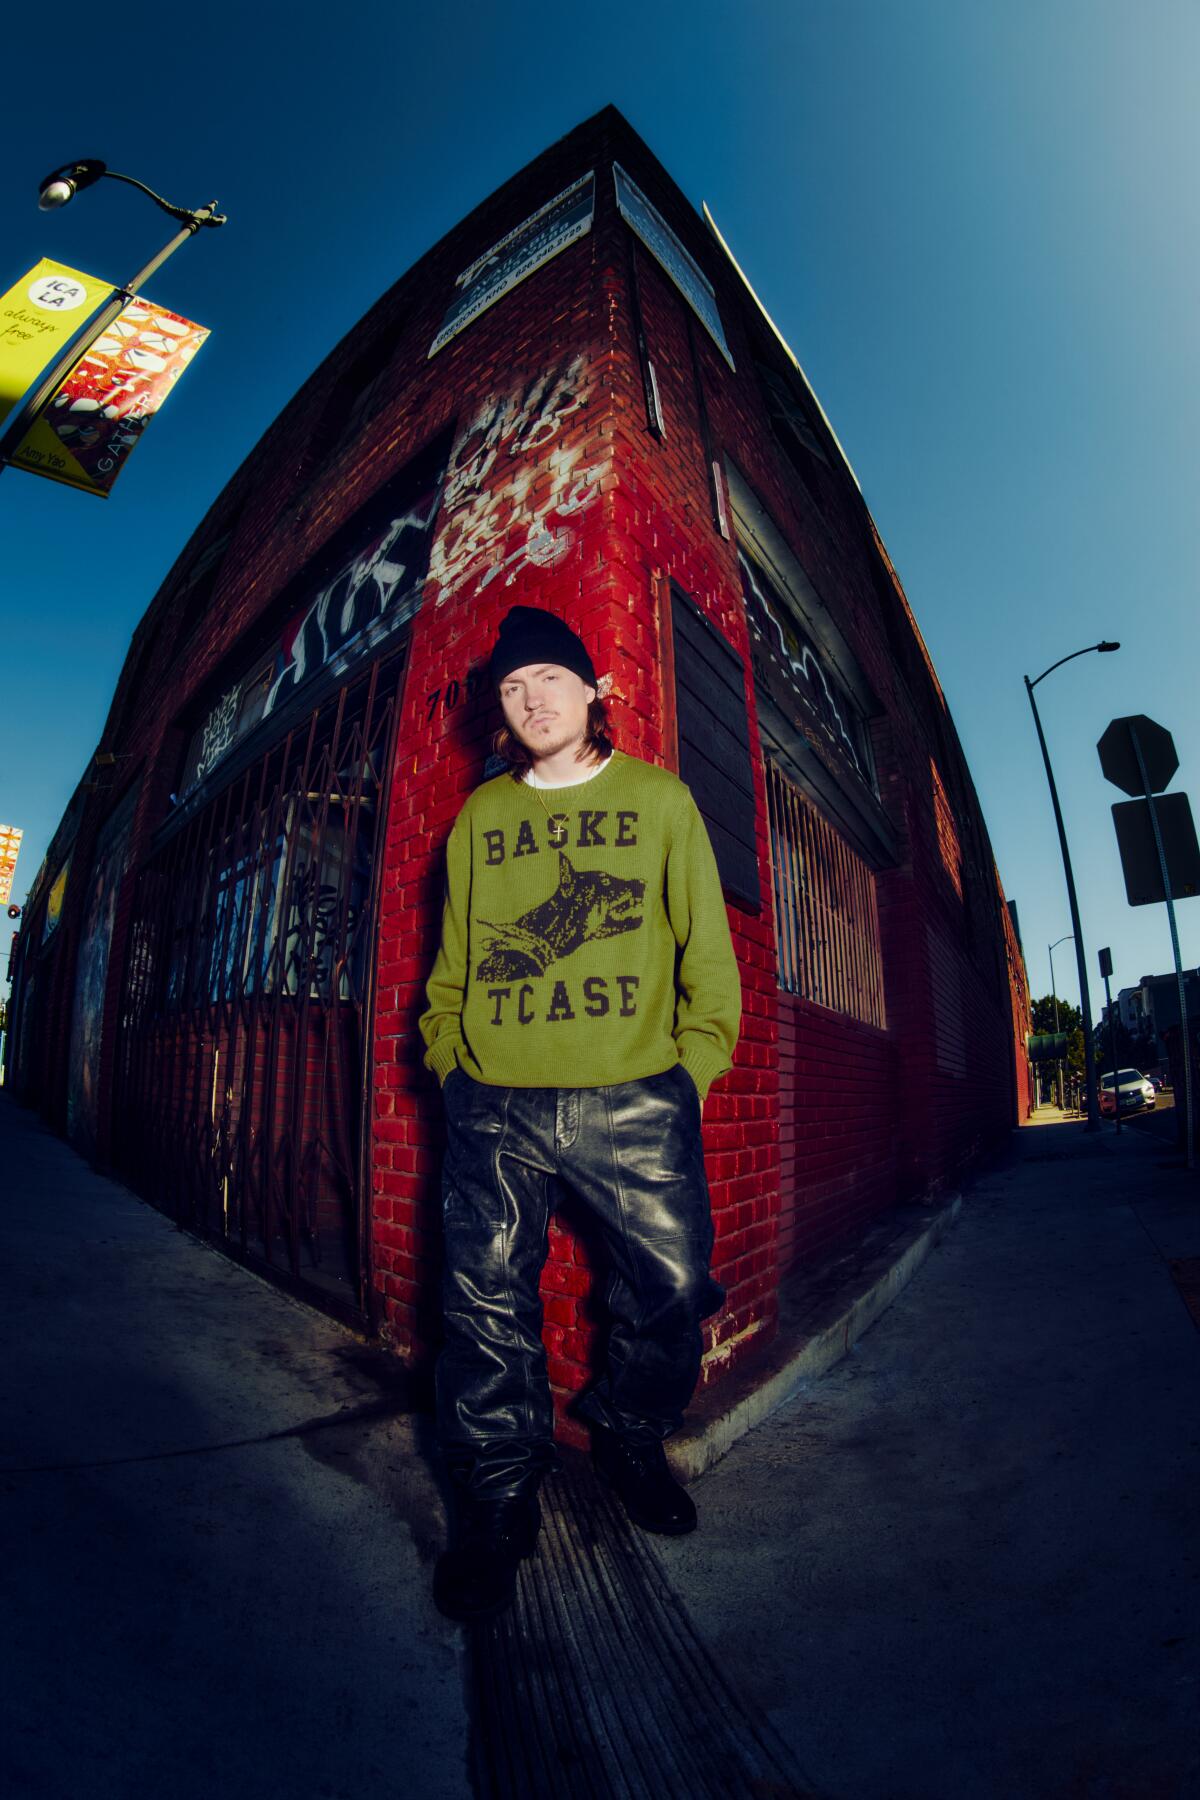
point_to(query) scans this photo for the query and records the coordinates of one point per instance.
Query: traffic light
(14, 911)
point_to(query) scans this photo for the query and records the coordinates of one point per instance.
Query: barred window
(826, 923)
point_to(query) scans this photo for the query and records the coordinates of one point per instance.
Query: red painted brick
(823, 1123)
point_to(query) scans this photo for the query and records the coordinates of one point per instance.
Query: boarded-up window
(947, 830)
(826, 922)
(949, 1021)
(714, 744)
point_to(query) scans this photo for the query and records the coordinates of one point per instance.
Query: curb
(822, 1317)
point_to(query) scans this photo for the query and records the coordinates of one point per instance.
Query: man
(584, 997)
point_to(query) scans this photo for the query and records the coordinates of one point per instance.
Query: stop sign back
(1119, 763)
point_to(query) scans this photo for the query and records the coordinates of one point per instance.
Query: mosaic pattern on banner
(98, 415)
(10, 849)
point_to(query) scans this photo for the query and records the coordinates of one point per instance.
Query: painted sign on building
(38, 315)
(85, 434)
(666, 248)
(10, 849)
(559, 223)
(91, 975)
(54, 901)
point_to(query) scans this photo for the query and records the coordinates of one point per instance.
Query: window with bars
(246, 1004)
(826, 922)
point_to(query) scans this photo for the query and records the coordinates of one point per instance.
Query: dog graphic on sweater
(586, 905)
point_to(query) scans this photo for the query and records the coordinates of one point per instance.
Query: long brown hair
(597, 740)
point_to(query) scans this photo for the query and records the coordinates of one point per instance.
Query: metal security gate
(243, 1061)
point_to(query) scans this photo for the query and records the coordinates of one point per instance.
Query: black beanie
(529, 634)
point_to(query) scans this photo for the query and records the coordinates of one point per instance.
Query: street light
(63, 184)
(1051, 948)
(1089, 1059)
(59, 187)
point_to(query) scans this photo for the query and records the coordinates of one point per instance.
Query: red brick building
(574, 400)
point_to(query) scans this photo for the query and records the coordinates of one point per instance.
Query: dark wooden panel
(714, 744)
(707, 647)
(715, 792)
(737, 866)
(713, 736)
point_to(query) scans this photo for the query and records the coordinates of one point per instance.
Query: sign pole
(1185, 1030)
(1106, 971)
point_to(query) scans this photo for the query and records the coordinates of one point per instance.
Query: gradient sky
(974, 223)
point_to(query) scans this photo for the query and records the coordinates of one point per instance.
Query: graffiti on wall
(23, 1008)
(777, 642)
(91, 976)
(378, 591)
(219, 731)
(367, 588)
(500, 512)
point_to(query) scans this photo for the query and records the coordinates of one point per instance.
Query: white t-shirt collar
(532, 780)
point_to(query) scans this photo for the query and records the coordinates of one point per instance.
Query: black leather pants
(632, 1153)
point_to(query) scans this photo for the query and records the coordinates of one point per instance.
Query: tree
(1070, 1020)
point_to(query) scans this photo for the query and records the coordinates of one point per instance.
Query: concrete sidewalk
(217, 1519)
(967, 1561)
(964, 1561)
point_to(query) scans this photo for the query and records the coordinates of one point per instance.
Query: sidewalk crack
(349, 1415)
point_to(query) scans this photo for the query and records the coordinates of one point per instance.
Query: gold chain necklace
(558, 823)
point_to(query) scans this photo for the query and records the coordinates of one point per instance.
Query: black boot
(645, 1485)
(477, 1577)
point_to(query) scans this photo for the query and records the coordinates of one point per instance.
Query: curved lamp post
(60, 186)
(1050, 949)
(1085, 1004)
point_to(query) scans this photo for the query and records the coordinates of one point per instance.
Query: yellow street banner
(85, 433)
(37, 316)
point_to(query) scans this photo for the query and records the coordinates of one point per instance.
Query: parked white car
(1136, 1092)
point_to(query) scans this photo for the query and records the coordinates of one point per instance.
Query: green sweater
(603, 957)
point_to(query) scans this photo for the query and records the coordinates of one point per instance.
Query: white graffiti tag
(219, 728)
(501, 514)
(363, 603)
(827, 698)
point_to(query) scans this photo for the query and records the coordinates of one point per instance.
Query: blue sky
(975, 225)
